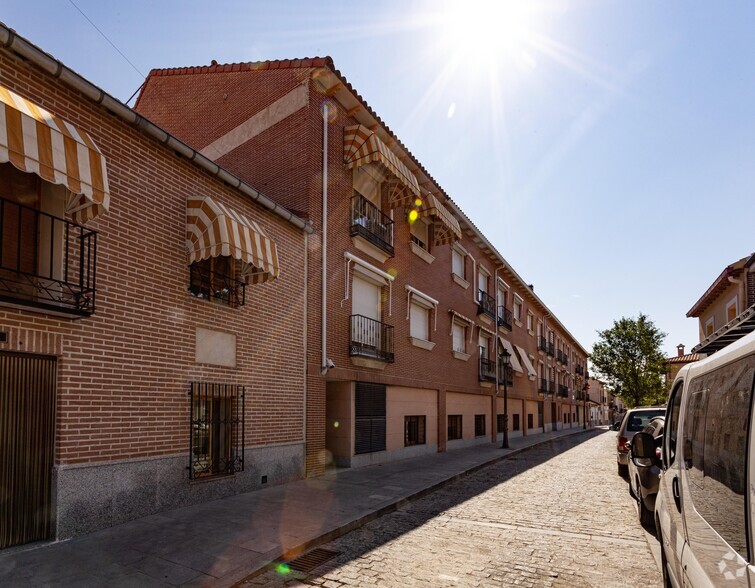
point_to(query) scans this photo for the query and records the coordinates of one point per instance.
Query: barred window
(414, 430)
(479, 425)
(217, 429)
(216, 279)
(454, 427)
(516, 422)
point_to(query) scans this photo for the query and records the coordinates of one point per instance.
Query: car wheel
(645, 515)
(623, 470)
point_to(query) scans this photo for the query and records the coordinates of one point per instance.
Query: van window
(672, 424)
(719, 456)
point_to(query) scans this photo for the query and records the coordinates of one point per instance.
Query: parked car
(633, 422)
(644, 474)
(704, 512)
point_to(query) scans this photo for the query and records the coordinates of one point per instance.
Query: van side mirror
(643, 446)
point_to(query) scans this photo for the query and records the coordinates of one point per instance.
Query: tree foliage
(629, 359)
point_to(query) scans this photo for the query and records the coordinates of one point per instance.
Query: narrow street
(554, 515)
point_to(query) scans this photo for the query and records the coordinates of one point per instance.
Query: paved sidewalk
(220, 543)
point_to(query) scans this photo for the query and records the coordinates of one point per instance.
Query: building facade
(599, 403)
(411, 306)
(152, 309)
(726, 311)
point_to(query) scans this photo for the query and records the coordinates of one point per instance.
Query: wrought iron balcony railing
(505, 373)
(542, 344)
(487, 370)
(45, 261)
(565, 360)
(504, 317)
(578, 369)
(485, 304)
(369, 222)
(563, 391)
(551, 349)
(371, 339)
(561, 357)
(216, 286)
(543, 387)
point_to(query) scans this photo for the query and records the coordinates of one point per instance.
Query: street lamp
(584, 405)
(506, 359)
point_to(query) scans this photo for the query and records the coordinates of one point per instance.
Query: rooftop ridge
(262, 65)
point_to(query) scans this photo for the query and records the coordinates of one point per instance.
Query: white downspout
(324, 248)
(474, 277)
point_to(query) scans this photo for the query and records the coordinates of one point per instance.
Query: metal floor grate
(309, 561)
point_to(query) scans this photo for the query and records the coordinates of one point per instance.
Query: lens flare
(418, 202)
(413, 216)
(282, 569)
(336, 424)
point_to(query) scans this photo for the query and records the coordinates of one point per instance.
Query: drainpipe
(495, 348)
(323, 320)
(474, 277)
(305, 337)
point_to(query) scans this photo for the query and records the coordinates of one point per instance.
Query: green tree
(629, 359)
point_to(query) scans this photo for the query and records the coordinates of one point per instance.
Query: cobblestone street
(554, 515)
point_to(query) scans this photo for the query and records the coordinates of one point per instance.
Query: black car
(644, 474)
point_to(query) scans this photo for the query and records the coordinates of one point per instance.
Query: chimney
(680, 349)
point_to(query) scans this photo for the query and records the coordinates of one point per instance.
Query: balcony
(551, 349)
(505, 373)
(46, 262)
(543, 387)
(578, 370)
(216, 287)
(563, 391)
(565, 360)
(487, 370)
(542, 344)
(485, 304)
(561, 358)
(504, 317)
(368, 222)
(371, 339)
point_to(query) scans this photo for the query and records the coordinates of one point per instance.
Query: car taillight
(658, 452)
(623, 444)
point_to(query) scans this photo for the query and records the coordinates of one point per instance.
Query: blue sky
(604, 147)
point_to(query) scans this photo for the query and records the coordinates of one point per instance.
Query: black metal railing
(565, 360)
(216, 432)
(46, 261)
(505, 373)
(551, 349)
(543, 387)
(560, 357)
(504, 317)
(487, 370)
(563, 391)
(216, 287)
(371, 339)
(542, 344)
(578, 369)
(369, 222)
(552, 386)
(485, 304)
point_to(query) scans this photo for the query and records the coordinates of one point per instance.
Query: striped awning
(37, 141)
(362, 146)
(446, 228)
(214, 230)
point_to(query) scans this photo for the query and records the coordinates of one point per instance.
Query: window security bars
(543, 387)
(369, 222)
(216, 286)
(486, 304)
(414, 430)
(551, 349)
(487, 370)
(479, 425)
(542, 344)
(216, 429)
(46, 261)
(504, 317)
(371, 338)
(454, 427)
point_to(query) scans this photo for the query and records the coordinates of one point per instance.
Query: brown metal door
(27, 438)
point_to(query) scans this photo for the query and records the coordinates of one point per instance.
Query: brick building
(410, 304)
(149, 303)
(726, 310)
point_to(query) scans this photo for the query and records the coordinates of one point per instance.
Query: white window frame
(414, 310)
(530, 322)
(456, 326)
(735, 303)
(518, 300)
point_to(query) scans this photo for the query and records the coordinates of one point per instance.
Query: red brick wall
(124, 372)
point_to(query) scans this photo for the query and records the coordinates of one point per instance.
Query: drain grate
(309, 561)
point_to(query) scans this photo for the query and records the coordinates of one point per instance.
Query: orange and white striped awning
(446, 228)
(214, 230)
(362, 146)
(37, 141)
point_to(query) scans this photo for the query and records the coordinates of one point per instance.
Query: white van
(705, 508)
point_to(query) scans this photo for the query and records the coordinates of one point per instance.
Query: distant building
(726, 310)
(598, 399)
(677, 362)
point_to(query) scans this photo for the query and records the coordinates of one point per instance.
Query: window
(517, 309)
(460, 338)
(484, 345)
(214, 279)
(530, 320)
(499, 422)
(217, 426)
(482, 282)
(479, 425)
(731, 310)
(419, 322)
(369, 418)
(457, 262)
(454, 427)
(516, 422)
(709, 327)
(420, 233)
(530, 421)
(414, 430)
(715, 448)
(672, 424)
